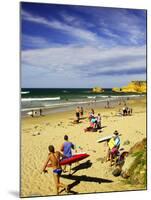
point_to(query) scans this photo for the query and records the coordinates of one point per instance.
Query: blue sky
(79, 46)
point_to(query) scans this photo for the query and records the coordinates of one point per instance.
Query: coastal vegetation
(137, 167)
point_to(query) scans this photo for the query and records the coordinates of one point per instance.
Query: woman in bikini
(54, 158)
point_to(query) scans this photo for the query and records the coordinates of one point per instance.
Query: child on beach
(54, 158)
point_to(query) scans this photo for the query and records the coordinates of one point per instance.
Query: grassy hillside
(137, 170)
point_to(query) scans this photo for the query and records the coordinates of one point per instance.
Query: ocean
(62, 98)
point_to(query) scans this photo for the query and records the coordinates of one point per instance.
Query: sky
(64, 46)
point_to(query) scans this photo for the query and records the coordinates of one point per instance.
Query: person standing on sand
(81, 111)
(98, 121)
(78, 114)
(113, 144)
(40, 112)
(54, 158)
(108, 104)
(92, 111)
(91, 114)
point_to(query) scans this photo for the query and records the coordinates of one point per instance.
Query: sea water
(36, 98)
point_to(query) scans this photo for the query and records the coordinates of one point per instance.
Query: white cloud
(87, 59)
(91, 55)
(34, 41)
(79, 33)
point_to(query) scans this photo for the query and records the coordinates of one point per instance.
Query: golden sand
(93, 175)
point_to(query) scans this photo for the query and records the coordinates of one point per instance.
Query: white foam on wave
(103, 96)
(125, 96)
(91, 97)
(25, 92)
(40, 99)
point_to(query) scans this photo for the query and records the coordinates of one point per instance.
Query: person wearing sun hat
(116, 139)
(113, 144)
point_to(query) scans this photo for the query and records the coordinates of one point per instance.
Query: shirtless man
(54, 158)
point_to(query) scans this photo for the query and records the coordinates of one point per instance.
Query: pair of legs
(110, 156)
(58, 184)
(64, 169)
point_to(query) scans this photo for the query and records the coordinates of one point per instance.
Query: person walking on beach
(54, 158)
(66, 148)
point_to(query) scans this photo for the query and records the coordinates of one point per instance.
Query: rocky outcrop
(116, 89)
(134, 86)
(97, 90)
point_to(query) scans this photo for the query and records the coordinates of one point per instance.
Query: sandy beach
(92, 175)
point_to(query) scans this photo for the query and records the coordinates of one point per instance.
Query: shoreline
(96, 104)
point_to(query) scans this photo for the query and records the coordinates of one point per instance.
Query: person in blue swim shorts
(54, 158)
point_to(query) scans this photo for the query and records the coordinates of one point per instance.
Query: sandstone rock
(97, 90)
(134, 86)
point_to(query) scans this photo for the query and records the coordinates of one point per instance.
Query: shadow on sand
(70, 186)
(87, 179)
(84, 165)
(103, 127)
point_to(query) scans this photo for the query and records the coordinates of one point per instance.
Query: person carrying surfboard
(54, 158)
(113, 144)
(66, 148)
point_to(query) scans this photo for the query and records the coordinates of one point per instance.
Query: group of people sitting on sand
(54, 158)
(126, 111)
(95, 122)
